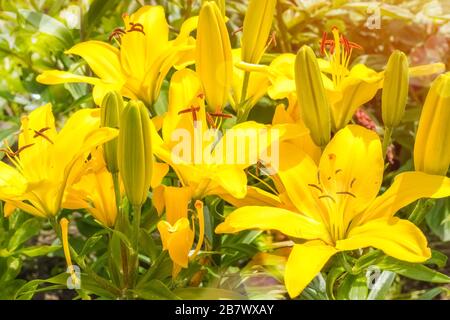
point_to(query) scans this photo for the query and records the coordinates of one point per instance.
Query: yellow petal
(184, 91)
(295, 163)
(407, 188)
(351, 170)
(304, 263)
(176, 201)
(102, 58)
(12, 183)
(58, 77)
(359, 87)
(398, 238)
(159, 172)
(9, 209)
(151, 44)
(268, 218)
(254, 197)
(178, 239)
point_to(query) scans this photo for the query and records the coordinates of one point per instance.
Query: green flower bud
(111, 108)
(135, 152)
(313, 102)
(395, 89)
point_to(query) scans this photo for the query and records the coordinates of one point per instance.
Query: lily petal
(254, 197)
(397, 238)
(268, 218)
(304, 263)
(102, 58)
(351, 169)
(294, 163)
(407, 188)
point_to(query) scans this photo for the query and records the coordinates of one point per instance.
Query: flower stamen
(41, 134)
(136, 26)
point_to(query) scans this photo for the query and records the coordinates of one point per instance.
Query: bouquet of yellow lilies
(211, 161)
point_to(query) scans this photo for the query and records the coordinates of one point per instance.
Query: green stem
(420, 211)
(120, 225)
(117, 190)
(386, 139)
(242, 113)
(134, 259)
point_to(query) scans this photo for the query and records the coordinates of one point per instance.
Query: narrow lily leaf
(333, 275)
(208, 294)
(431, 294)
(37, 251)
(413, 271)
(437, 258)
(48, 25)
(438, 219)
(155, 290)
(354, 287)
(28, 229)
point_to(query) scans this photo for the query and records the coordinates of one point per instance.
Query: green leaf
(382, 286)
(437, 258)
(207, 294)
(155, 290)
(37, 251)
(28, 229)
(354, 287)
(438, 219)
(431, 294)
(48, 25)
(332, 276)
(91, 242)
(413, 270)
(97, 9)
(10, 288)
(13, 268)
(28, 290)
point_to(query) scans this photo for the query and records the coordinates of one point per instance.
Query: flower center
(334, 192)
(338, 51)
(117, 33)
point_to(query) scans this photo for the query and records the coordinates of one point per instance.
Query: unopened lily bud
(395, 89)
(314, 105)
(432, 147)
(111, 108)
(214, 61)
(257, 25)
(220, 4)
(135, 152)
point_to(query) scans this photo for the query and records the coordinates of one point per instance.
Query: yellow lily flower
(138, 67)
(198, 154)
(336, 207)
(431, 149)
(177, 235)
(45, 164)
